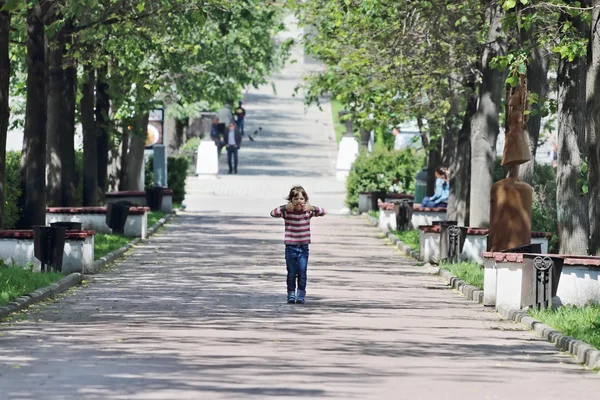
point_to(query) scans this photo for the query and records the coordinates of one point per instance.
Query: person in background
(442, 190)
(233, 141)
(240, 115)
(398, 140)
(215, 134)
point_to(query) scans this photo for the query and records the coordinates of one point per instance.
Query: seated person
(442, 190)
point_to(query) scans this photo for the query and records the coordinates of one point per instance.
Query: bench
(426, 216)
(94, 218)
(579, 283)
(475, 243)
(17, 246)
(138, 197)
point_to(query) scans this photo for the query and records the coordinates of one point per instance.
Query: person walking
(240, 115)
(297, 214)
(233, 141)
(215, 134)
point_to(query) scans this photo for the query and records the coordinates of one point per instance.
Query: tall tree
(593, 129)
(33, 158)
(4, 100)
(485, 126)
(102, 127)
(573, 224)
(90, 151)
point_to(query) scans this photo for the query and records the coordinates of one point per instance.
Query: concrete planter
(426, 216)
(138, 198)
(17, 247)
(94, 218)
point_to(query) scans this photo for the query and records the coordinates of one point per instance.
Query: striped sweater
(297, 223)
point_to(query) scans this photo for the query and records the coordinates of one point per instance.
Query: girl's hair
(443, 172)
(296, 190)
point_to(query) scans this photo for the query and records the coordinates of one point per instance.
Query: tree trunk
(537, 82)
(485, 126)
(593, 130)
(135, 156)
(102, 128)
(67, 143)
(33, 158)
(572, 210)
(90, 151)
(122, 161)
(4, 102)
(451, 130)
(180, 125)
(458, 203)
(55, 123)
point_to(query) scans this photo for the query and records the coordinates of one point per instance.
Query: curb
(41, 294)
(112, 256)
(471, 292)
(583, 352)
(395, 240)
(75, 278)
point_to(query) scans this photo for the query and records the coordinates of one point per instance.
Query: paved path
(198, 312)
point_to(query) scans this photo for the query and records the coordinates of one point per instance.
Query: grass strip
(374, 214)
(410, 238)
(16, 281)
(105, 243)
(154, 216)
(469, 272)
(582, 323)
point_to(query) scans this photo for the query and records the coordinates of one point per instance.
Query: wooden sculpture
(511, 199)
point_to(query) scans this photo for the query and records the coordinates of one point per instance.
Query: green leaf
(522, 69)
(524, 2)
(508, 4)
(141, 7)
(12, 5)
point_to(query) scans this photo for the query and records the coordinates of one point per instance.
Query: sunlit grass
(410, 238)
(106, 243)
(16, 281)
(580, 323)
(469, 272)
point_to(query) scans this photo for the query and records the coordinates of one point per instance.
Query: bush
(12, 189)
(176, 174)
(380, 169)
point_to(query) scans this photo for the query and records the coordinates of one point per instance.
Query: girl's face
(438, 175)
(298, 200)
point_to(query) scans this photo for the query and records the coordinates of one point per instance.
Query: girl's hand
(289, 207)
(308, 207)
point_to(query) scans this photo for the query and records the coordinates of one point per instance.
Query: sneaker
(300, 300)
(291, 299)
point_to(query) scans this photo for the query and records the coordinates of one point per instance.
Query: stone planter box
(94, 218)
(17, 246)
(579, 282)
(422, 216)
(139, 198)
(475, 243)
(387, 217)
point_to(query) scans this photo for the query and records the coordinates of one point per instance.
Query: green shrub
(177, 168)
(176, 174)
(380, 169)
(12, 189)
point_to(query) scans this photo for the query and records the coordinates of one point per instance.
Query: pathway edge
(75, 278)
(583, 352)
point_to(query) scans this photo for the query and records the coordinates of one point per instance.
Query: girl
(297, 214)
(442, 190)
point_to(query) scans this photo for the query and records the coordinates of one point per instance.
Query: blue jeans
(296, 259)
(240, 125)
